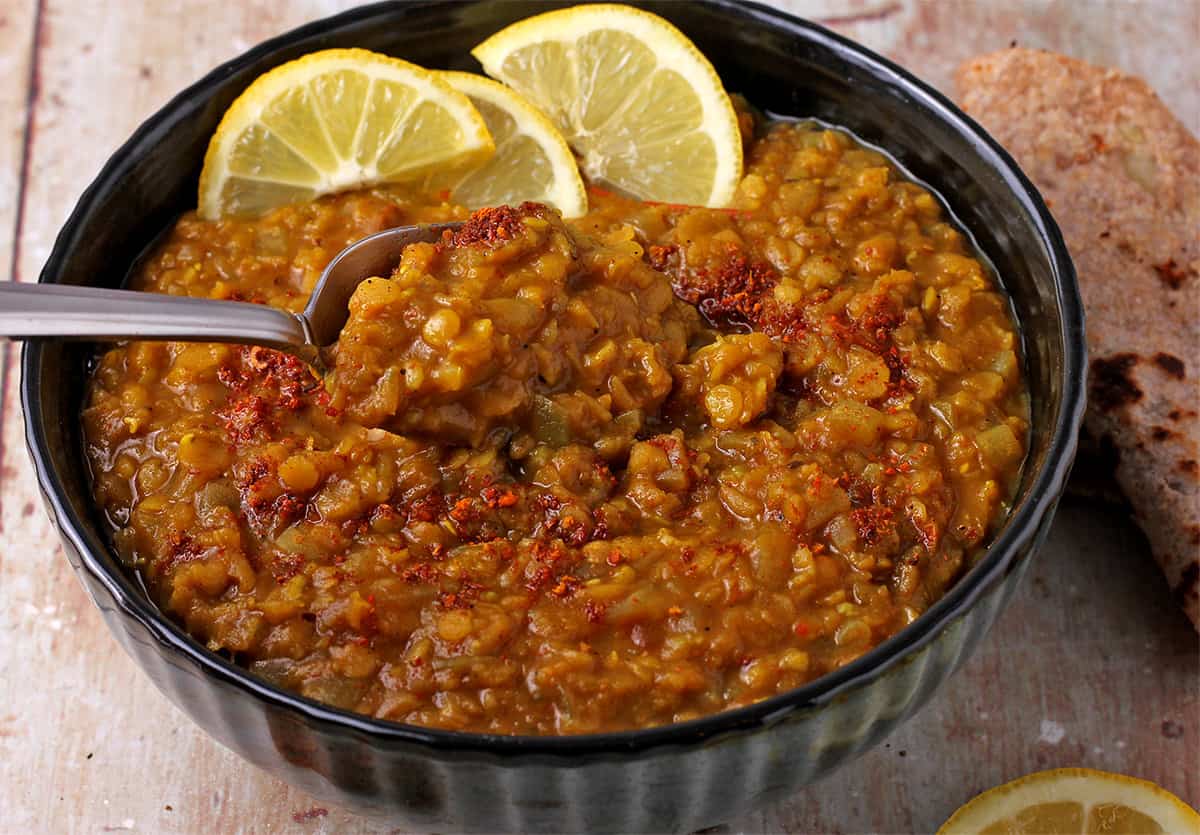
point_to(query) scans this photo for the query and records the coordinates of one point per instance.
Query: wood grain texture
(1091, 665)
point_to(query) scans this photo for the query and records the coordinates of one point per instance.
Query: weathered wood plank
(1091, 665)
(17, 28)
(16, 48)
(17, 23)
(77, 712)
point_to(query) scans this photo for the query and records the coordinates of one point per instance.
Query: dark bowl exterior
(675, 778)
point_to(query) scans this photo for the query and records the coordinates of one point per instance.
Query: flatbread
(1122, 176)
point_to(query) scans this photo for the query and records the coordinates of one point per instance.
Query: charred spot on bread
(1171, 364)
(1171, 273)
(1111, 385)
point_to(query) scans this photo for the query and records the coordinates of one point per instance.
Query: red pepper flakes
(494, 227)
(267, 511)
(566, 586)
(464, 510)
(291, 377)
(287, 509)
(801, 629)
(873, 523)
(603, 472)
(547, 552)
(544, 502)
(594, 611)
(422, 573)
(969, 533)
(494, 497)
(860, 491)
(667, 443)
(881, 317)
(573, 530)
(286, 566)
(674, 611)
(253, 473)
(252, 298)
(352, 528)
(614, 558)
(733, 293)
(247, 416)
(815, 486)
(427, 508)
(386, 513)
(499, 548)
(898, 382)
(268, 381)
(463, 597)
(181, 548)
(600, 524)
(538, 576)
(663, 258)
(929, 535)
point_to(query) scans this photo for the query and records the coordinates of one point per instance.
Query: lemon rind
(248, 108)
(1082, 785)
(673, 51)
(569, 195)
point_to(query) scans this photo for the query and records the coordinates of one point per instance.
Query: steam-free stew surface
(573, 477)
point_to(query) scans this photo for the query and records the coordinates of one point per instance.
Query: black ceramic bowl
(677, 777)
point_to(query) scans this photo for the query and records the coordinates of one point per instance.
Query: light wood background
(1091, 665)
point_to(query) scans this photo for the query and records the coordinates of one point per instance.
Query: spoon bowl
(329, 305)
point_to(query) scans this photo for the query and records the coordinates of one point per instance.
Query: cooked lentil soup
(571, 477)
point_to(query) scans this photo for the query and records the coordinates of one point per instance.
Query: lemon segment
(331, 121)
(532, 160)
(635, 99)
(1078, 801)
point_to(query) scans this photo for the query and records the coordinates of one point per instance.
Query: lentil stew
(569, 477)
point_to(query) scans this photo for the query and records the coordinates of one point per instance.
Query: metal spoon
(65, 311)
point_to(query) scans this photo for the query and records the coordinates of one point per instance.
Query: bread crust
(1122, 177)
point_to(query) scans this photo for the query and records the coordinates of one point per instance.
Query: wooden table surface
(1091, 665)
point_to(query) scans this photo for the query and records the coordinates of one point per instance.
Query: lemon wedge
(1074, 800)
(532, 160)
(635, 99)
(336, 120)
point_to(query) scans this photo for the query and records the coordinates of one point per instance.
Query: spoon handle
(94, 313)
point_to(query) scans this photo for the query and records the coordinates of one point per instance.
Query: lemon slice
(335, 120)
(635, 99)
(532, 160)
(1074, 800)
